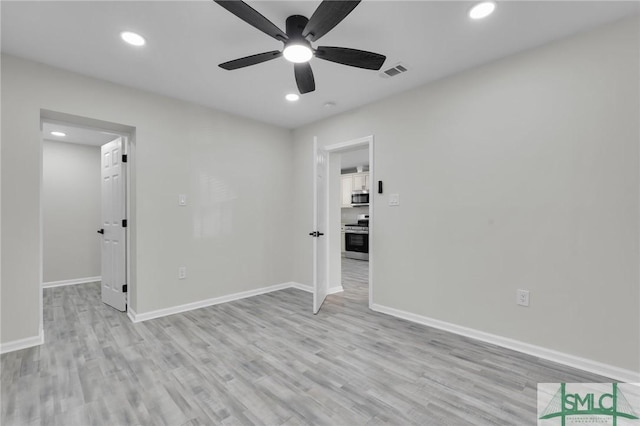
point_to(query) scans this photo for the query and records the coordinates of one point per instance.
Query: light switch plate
(394, 199)
(522, 297)
(182, 199)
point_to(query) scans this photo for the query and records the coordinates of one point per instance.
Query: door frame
(337, 148)
(128, 134)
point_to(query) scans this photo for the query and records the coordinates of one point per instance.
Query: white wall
(520, 174)
(70, 211)
(235, 234)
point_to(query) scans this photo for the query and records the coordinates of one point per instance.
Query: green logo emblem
(589, 406)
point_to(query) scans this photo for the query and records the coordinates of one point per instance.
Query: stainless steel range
(356, 238)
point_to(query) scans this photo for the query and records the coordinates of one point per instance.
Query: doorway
(330, 196)
(74, 202)
(355, 194)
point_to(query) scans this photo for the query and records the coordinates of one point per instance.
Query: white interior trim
(131, 314)
(303, 287)
(334, 290)
(569, 360)
(309, 289)
(71, 282)
(127, 150)
(135, 317)
(41, 224)
(372, 202)
(17, 345)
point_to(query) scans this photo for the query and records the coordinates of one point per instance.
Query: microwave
(359, 198)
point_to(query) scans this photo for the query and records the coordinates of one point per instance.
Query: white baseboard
(302, 287)
(135, 317)
(573, 361)
(309, 289)
(131, 314)
(16, 345)
(71, 282)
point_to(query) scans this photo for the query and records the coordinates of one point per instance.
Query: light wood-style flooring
(264, 360)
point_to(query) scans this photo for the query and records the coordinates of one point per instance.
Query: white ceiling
(188, 39)
(79, 135)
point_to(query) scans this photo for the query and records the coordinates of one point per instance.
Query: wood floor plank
(265, 360)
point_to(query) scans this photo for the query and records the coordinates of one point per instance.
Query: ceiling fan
(300, 32)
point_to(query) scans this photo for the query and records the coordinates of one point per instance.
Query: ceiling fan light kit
(297, 53)
(297, 49)
(300, 33)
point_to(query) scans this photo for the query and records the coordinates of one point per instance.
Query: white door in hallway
(320, 218)
(114, 275)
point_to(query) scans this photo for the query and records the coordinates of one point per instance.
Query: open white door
(114, 277)
(320, 217)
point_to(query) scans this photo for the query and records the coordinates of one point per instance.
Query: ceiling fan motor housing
(295, 26)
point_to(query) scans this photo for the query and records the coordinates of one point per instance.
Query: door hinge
(124, 223)
(124, 158)
(124, 288)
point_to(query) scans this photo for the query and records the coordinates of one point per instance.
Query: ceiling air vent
(399, 68)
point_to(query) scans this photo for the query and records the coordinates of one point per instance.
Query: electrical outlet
(182, 272)
(522, 297)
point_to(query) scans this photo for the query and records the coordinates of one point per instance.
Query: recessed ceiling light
(482, 10)
(133, 38)
(292, 97)
(297, 53)
(329, 105)
(60, 134)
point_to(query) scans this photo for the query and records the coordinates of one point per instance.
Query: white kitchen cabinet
(353, 182)
(360, 181)
(347, 188)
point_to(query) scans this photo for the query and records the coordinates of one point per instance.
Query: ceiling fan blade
(352, 57)
(252, 17)
(251, 60)
(329, 14)
(304, 77)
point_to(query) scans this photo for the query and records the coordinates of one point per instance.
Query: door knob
(100, 231)
(315, 234)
